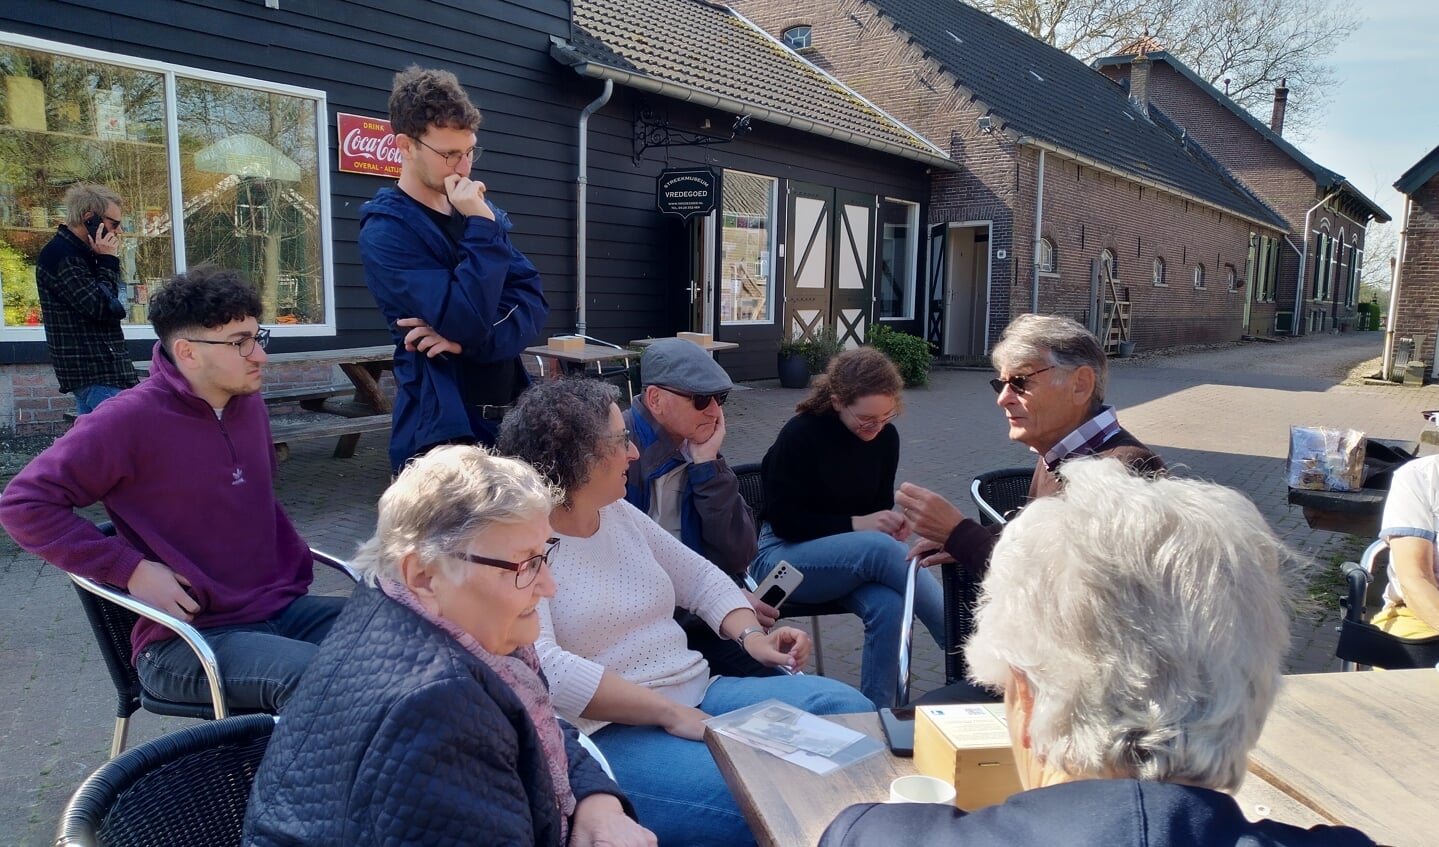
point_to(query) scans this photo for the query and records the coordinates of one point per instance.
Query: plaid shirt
(79, 301)
(1086, 439)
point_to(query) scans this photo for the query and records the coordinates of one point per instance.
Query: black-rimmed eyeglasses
(245, 346)
(525, 571)
(453, 157)
(1017, 383)
(701, 401)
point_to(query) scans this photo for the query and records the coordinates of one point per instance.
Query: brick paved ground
(1221, 415)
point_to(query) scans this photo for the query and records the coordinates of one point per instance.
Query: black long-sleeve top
(818, 476)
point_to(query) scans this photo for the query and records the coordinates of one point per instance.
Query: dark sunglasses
(1016, 383)
(525, 572)
(701, 401)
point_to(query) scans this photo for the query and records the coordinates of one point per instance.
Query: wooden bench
(347, 430)
(311, 398)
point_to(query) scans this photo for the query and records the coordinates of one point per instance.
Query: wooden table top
(1360, 749)
(585, 355)
(345, 355)
(712, 346)
(788, 806)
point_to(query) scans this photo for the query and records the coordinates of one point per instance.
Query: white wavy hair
(441, 500)
(1150, 618)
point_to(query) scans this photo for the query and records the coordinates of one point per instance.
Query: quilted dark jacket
(397, 735)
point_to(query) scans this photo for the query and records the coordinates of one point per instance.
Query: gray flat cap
(678, 363)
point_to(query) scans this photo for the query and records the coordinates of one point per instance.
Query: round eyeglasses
(525, 570)
(453, 157)
(245, 346)
(867, 423)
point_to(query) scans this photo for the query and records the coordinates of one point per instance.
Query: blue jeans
(87, 398)
(260, 663)
(674, 783)
(864, 572)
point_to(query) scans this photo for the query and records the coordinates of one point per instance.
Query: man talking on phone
(78, 277)
(461, 302)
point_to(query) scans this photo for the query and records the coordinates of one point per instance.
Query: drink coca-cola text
(367, 146)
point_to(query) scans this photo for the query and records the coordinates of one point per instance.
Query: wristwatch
(748, 631)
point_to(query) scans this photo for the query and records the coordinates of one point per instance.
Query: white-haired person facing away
(1137, 628)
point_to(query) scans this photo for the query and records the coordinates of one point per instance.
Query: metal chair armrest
(984, 506)
(184, 630)
(335, 562)
(906, 634)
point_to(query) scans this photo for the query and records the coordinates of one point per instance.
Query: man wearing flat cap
(680, 479)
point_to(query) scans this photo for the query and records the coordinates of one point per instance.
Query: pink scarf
(521, 672)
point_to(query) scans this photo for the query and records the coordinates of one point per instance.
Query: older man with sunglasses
(683, 482)
(1052, 375)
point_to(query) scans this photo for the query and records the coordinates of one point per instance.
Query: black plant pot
(793, 371)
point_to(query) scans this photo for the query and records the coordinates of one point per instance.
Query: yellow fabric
(1400, 621)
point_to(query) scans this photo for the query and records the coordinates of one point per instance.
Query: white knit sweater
(614, 609)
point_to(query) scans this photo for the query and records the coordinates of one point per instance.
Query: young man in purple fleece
(184, 466)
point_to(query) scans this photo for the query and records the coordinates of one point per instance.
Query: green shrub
(816, 351)
(910, 353)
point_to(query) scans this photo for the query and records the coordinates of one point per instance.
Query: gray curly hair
(1150, 618)
(1057, 340)
(559, 427)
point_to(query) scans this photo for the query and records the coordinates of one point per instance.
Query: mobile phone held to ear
(93, 224)
(781, 582)
(899, 729)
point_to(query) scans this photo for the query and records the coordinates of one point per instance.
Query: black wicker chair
(751, 488)
(997, 496)
(188, 787)
(1360, 642)
(112, 614)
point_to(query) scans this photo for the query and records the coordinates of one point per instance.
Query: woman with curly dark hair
(829, 500)
(615, 658)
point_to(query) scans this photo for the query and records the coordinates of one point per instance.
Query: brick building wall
(1275, 177)
(1085, 210)
(1418, 306)
(31, 402)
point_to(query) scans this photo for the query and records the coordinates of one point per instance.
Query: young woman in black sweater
(829, 500)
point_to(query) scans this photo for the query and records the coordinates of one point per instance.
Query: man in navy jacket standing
(460, 300)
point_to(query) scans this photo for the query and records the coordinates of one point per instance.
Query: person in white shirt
(1411, 526)
(615, 658)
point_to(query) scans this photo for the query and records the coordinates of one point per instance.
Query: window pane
(251, 187)
(747, 248)
(65, 121)
(895, 283)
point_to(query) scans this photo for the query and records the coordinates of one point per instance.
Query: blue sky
(1384, 115)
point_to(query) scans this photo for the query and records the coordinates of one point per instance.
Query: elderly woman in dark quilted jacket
(424, 718)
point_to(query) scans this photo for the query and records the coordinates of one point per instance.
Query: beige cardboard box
(967, 745)
(567, 343)
(700, 338)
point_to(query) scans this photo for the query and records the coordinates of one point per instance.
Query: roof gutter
(1031, 141)
(704, 98)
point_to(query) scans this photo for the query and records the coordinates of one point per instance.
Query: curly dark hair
(425, 97)
(204, 296)
(851, 375)
(559, 427)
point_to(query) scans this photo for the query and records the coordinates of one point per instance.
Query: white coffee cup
(921, 789)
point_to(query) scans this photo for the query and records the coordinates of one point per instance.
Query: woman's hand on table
(600, 821)
(784, 646)
(685, 722)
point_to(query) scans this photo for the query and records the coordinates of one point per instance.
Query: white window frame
(1052, 268)
(1200, 282)
(1158, 273)
(784, 37)
(172, 139)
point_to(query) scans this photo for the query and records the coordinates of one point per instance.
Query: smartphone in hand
(93, 225)
(781, 582)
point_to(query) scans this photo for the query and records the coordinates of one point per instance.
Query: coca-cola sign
(367, 146)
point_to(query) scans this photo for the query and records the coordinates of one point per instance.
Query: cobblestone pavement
(1220, 414)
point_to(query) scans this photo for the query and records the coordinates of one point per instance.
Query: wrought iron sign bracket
(654, 130)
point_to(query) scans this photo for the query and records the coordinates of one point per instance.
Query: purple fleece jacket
(182, 486)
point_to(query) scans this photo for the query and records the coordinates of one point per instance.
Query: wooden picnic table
(711, 347)
(789, 806)
(1360, 749)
